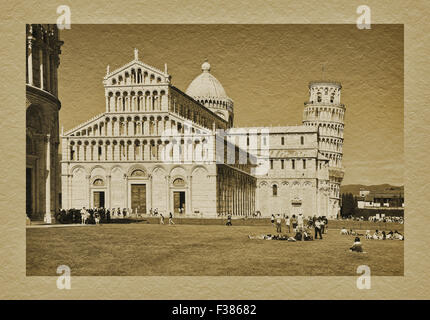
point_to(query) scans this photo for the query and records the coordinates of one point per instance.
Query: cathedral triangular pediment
(76, 131)
(135, 66)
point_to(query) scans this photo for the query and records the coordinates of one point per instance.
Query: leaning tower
(324, 110)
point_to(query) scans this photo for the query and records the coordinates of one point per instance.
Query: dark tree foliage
(349, 205)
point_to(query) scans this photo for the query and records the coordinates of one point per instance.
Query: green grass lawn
(139, 249)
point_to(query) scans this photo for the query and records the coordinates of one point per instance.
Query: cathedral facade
(157, 147)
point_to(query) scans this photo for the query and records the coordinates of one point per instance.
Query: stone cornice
(45, 95)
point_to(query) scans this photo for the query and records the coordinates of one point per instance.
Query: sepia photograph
(214, 149)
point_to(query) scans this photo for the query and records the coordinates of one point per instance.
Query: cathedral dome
(206, 85)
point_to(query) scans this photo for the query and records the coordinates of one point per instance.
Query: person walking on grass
(161, 218)
(171, 218)
(318, 228)
(278, 223)
(228, 220)
(272, 219)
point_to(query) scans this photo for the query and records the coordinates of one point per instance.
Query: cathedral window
(271, 164)
(282, 164)
(282, 140)
(275, 190)
(304, 163)
(293, 164)
(302, 140)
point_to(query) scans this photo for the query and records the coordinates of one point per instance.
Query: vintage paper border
(13, 281)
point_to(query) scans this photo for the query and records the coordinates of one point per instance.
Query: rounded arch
(116, 167)
(137, 167)
(179, 181)
(77, 167)
(97, 167)
(158, 168)
(98, 181)
(178, 170)
(198, 167)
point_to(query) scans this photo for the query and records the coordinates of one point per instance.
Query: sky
(265, 69)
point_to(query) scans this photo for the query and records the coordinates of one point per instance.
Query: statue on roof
(136, 54)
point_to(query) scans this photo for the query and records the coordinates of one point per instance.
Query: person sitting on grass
(368, 235)
(343, 231)
(298, 236)
(307, 236)
(356, 246)
(377, 235)
(397, 235)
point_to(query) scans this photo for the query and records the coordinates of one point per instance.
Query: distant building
(369, 199)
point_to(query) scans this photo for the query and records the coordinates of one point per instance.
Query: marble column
(48, 218)
(30, 62)
(108, 191)
(42, 84)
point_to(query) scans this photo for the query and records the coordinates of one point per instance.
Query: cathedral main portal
(138, 198)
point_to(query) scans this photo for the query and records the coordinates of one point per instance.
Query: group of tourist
(299, 224)
(386, 219)
(376, 219)
(99, 215)
(84, 215)
(378, 235)
(382, 235)
(301, 227)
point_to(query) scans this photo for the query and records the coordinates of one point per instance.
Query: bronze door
(179, 201)
(138, 198)
(99, 199)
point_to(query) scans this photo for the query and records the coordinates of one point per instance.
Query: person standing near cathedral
(272, 219)
(287, 223)
(318, 228)
(83, 215)
(278, 224)
(300, 223)
(294, 222)
(161, 218)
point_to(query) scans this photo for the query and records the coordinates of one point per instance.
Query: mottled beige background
(14, 283)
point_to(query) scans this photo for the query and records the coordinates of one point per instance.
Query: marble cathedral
(157, 147)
